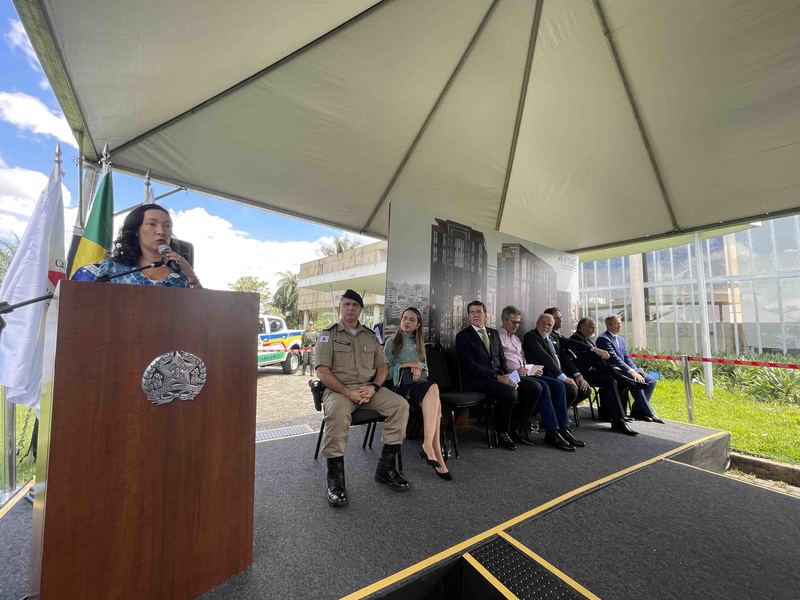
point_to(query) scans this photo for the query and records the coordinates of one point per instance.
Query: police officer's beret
(355, 296)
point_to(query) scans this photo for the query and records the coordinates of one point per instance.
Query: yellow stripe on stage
(496, 583)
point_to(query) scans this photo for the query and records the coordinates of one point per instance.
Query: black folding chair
(362, 416)
(454, 399)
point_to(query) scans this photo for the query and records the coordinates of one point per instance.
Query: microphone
(173, 266)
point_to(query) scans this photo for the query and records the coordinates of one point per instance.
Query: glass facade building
(752, 285)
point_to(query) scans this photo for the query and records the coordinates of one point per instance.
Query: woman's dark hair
(126, 248)
(419, 341)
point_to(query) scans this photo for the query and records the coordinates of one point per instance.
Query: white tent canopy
(575, 123)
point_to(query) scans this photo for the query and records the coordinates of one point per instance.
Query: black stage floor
(305, 549)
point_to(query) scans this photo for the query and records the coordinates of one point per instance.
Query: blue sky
(262, 243)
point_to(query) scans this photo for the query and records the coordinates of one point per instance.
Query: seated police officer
(351, 364)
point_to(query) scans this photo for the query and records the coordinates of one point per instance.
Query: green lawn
(25, 470)
(763, 428)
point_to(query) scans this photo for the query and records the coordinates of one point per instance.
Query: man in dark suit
(599, 374)
(484, 369)
(642, 387)
(541, 349)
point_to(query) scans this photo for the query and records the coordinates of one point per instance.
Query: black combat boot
(337, 495)
(387, 471)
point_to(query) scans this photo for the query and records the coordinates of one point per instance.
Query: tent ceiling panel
(135, 65)
(580, 162)
(460, 163)
(718, 85)
(322, 134)
(326, 109)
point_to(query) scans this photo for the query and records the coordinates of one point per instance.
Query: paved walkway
(284, 400)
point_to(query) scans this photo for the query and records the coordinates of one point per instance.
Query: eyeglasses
(515, 322)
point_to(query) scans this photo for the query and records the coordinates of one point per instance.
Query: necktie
(553, 350)
(485, 339)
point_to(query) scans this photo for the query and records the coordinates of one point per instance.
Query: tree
(339, 245)
(248, 283)
(8, 247)
(285, 298)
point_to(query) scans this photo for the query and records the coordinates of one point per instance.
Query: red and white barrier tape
(722, 361)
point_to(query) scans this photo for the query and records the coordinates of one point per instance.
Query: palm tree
(285, 298)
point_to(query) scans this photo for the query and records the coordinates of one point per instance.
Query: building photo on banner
(438, 265)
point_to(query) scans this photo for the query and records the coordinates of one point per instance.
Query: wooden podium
(134, 499)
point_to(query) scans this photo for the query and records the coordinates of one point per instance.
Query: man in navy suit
(642, 385)
(484, 369)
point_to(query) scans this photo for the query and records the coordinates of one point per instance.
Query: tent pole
(708, 373)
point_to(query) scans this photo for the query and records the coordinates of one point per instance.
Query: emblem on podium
(177, 375)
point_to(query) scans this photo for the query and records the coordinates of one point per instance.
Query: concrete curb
(764, 468)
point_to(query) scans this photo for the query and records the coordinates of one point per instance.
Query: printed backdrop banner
(438, 264)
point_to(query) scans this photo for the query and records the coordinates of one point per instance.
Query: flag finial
(58, 153)
(106, 156)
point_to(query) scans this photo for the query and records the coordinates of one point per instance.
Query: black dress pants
(609, 393)
(512, 407)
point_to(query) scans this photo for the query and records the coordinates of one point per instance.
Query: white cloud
(223, 254)
(31, 114)
(17, 39)
(19, 190)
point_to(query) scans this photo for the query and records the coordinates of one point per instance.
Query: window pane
(786, 244)
(790, 288)
(716, 256)
(649, 267)
(763, 262)
(588, 274)
(602, 273)
(680, 261)
(616, 271)
(768, 315)
(739, 254)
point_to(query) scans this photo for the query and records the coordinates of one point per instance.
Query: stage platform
(622, 518)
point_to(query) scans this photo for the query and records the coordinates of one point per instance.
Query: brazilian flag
(97, 236)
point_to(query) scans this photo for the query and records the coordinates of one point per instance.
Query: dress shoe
(622, 427)
(433, 463)
(505, 441)
(644, 418)
(387, 472)
(628, 419)
(657, 420)
(446, 476)
(337, 495)
(567, 435)
(521, 436)
(554, 439)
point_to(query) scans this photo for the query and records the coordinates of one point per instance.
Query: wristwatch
(376, 386)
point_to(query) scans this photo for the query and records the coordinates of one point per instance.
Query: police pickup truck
(277, 344)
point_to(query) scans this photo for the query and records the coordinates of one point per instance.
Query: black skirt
(414, 392)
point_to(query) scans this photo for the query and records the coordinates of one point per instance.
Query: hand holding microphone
(163, 249)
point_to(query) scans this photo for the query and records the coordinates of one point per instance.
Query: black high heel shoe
(434, 463)
(446, 476)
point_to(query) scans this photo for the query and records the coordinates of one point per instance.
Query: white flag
(36, 268)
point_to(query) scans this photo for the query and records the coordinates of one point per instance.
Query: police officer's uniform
(309, 340)
(354, 360)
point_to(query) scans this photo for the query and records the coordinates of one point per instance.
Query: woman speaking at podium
(143, 254)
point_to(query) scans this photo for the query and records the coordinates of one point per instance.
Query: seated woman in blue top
(405, 353)
(145, 229)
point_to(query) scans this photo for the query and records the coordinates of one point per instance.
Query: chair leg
(575, 414)
(453, 428)
(319, 438)
(372, 435)
(592, 400)
(366, 436)
(491, 429)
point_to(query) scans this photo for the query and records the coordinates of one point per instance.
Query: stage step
(497, 561)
